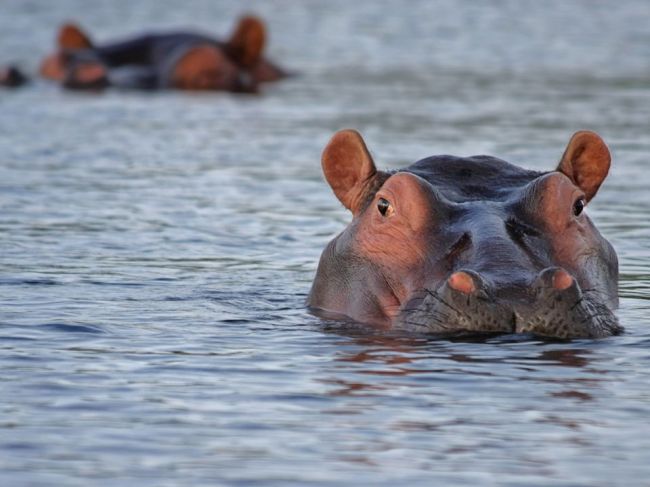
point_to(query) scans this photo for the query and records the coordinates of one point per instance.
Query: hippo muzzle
(470, 245)
(553, 306)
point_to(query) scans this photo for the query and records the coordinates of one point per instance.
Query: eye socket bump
(384, 207)
(579, 206)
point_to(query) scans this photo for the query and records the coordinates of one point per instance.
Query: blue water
(156, 251)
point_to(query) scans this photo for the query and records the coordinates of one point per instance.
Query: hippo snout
(552, 304)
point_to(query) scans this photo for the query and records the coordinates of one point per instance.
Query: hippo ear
(586, 162)
(348, 167)
(247, 41)
(72, 37)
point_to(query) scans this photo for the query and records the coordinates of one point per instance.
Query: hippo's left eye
(578, 206)
(384, 207)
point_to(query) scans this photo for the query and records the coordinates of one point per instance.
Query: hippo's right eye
(384, 207)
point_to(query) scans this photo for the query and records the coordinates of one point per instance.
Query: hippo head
(470, 244)
(237, 65)
(69, 38)
(231, 67)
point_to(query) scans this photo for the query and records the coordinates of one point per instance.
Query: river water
(156, 251)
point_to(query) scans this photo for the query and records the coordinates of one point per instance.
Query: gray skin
(469, 245)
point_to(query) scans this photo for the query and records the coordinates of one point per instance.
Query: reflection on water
(156, 251)
(460, 395)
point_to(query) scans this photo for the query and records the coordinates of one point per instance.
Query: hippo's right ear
(247, 42)
(586, 161)
(348, 168)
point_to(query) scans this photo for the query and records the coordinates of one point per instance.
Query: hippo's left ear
(247, 41)
(586, 162)
(348, 168)
(72, 37)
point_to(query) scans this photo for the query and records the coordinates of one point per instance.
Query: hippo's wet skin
(470, 244)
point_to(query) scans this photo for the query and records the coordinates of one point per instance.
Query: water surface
(156, 251)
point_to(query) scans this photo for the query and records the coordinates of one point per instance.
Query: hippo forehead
(462, 179)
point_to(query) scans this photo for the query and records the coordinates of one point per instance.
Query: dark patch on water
(70, 328)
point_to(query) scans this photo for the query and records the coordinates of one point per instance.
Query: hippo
(469, 245)
(177, 60)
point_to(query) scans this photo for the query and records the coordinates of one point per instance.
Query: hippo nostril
(469, 283)
(462, 281)
(554, 278)
(561, 280)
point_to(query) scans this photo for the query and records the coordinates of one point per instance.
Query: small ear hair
(72, 37)
(348, 168)
(247, 42)
(586, 162)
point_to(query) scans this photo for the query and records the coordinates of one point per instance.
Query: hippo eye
(578, 206)
(384, 207)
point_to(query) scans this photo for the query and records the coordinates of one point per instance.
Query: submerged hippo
(179, 60)
(11, 77)
(469, 244)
